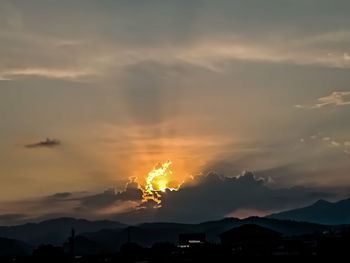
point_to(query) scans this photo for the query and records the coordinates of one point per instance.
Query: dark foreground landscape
(226, 240)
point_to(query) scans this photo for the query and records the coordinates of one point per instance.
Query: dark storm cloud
(211, 197)
(75, 204)
(47, 143)
(216, 197)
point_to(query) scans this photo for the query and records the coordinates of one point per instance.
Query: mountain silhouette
(321, 212)
(54, 231)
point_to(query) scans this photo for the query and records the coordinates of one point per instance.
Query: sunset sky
(249, 100)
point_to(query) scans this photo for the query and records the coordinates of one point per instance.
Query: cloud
(110, 197)
(336, 98)
(73, 204)
(101, 57)
(47, 143)
(330, 142)
(210, 197)
(205, 37)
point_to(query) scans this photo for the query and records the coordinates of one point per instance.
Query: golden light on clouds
(159, 180)
(134, 151)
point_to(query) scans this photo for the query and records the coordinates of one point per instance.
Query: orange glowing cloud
(158, 181)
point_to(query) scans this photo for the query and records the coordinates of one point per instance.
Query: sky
(249, 100)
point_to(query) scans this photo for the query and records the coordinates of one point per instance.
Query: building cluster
(255, 240)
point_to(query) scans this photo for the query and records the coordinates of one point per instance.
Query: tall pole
(129, 239)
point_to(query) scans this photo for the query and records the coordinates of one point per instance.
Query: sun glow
(158, 181)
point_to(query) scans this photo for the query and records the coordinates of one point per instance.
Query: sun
(158, 181)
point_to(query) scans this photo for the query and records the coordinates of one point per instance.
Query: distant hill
(321, 212)
(54, 231)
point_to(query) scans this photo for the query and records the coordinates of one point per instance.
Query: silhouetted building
(305, 245)
(251, 239)
(334, 244)
(191, 240)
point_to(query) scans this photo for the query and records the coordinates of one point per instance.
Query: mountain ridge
(320, 212)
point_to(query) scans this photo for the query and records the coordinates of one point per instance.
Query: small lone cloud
(337, 98)
(47, 143)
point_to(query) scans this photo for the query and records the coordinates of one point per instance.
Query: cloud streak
(102, 58)
(45, 72)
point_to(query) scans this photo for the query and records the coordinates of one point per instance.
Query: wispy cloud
(95, 58)
(45, 72)
(337, 98)
(330, 142)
